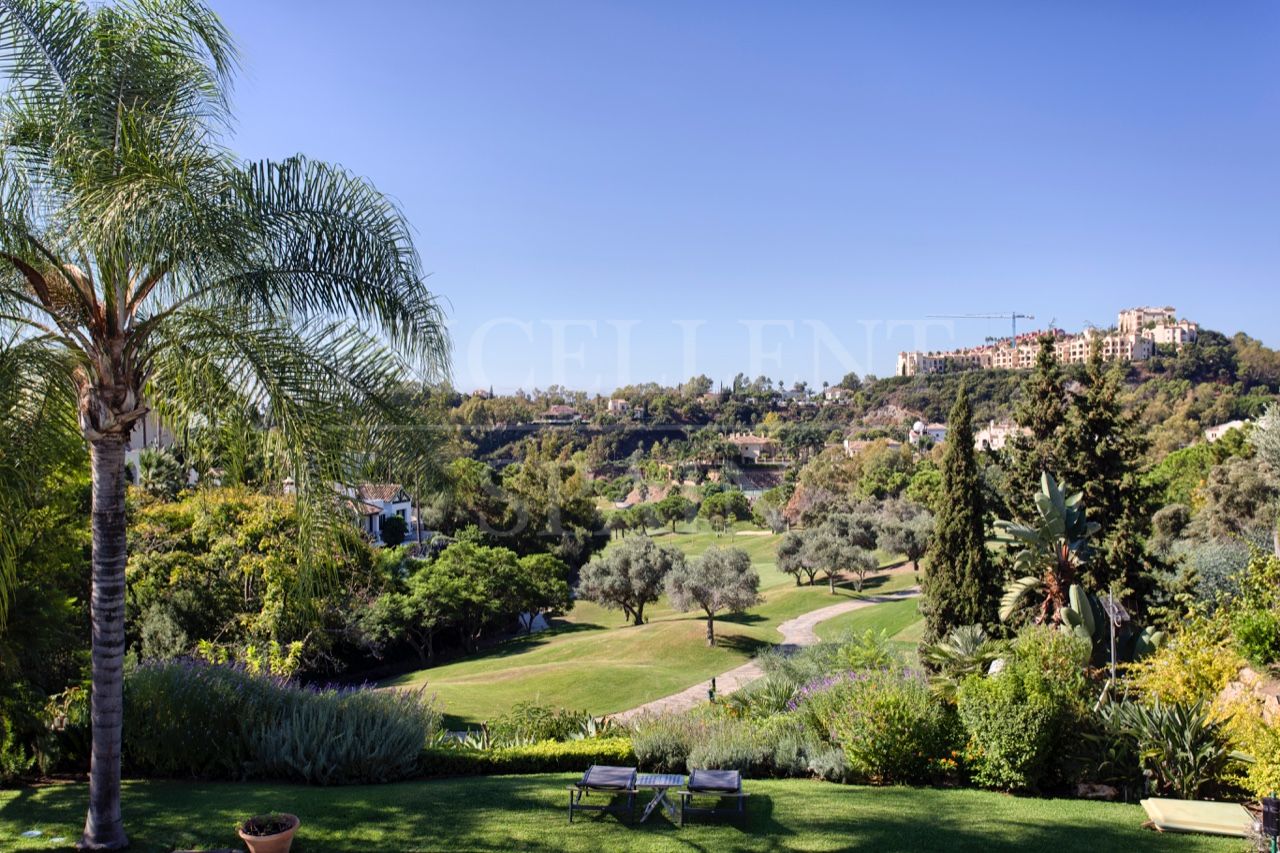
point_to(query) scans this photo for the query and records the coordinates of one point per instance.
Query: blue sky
(619, 192)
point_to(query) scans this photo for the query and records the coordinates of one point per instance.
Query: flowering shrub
(889, 725)
(1195, 665)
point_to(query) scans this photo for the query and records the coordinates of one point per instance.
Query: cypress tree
(959, 585)
(1101, 452)
(1042, 412)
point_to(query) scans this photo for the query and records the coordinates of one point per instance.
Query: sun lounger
(722, 785)
(612, 782)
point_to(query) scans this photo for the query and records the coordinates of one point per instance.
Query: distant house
(937, 433)
(995, 434)
(619, 406)
(854, 446)
(836, 394)
(375, 502)
(1214, 433)
(754, 448)
(560, 414)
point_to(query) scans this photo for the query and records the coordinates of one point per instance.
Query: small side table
(660, 784)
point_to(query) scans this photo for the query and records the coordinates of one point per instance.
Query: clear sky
(619, 192)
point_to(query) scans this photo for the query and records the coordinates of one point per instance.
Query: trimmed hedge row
(543, 757)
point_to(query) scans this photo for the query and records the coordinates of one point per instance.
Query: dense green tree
(722, 579)
(675, 508)
(1042, 411)
(721, 509)
(629, 576)
(541, 588)
(1102, 450)
(959, 586)
(173, 278)
(1210, 358)
(394, 529)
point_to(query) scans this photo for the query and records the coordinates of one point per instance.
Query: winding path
(795, 633)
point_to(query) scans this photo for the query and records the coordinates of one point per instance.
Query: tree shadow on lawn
(530, 813)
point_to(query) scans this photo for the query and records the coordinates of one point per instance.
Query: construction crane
(1012, 317)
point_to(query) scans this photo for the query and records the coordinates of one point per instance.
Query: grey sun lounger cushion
(602, 777)
(716, 781)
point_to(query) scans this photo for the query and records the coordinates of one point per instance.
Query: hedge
(542, 757)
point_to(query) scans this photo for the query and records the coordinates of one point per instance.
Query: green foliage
(662, 743)
(394, 529)
(1102, 449)
(960, 586)
(225, 567)
(891, 728)
(191, 719)
(730, 747)
(543, 757)
(160, 474)
(527, 722)
(1020, 720)
(1042, 412)
(966, 651)
(1186, 751)
(1257, 634)
(724, 507)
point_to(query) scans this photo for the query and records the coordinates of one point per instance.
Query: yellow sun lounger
(1197, 816)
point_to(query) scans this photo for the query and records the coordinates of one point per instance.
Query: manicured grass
(528, 813)
(592, 660)
(891, 618)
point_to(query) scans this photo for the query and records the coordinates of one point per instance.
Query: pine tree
(1101, 453)
(959, 585)
(1042, 412)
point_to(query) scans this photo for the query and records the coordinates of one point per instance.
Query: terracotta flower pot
(277, 843)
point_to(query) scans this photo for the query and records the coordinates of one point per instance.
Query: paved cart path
(795, 633)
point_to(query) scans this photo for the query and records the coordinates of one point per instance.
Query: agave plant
(1183, 747)
(965, 651)
(1052, 551)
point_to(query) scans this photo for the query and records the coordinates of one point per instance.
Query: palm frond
(38, 430)
(324, 394)
(1014, 595)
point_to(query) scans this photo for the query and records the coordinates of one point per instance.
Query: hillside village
(1138, 335)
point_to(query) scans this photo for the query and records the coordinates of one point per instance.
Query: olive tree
(629, 576)
(722, 579)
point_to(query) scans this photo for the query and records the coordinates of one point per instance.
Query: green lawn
(892, 618)
(592, 660)
(528, 813)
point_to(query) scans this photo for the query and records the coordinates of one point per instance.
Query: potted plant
(268, 833)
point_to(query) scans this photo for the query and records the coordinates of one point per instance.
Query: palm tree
(168, 276)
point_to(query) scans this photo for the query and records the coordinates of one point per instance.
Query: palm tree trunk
(104, 828)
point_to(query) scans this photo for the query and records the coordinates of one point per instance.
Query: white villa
(375, 502)
(995, 434)
(937, 433)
